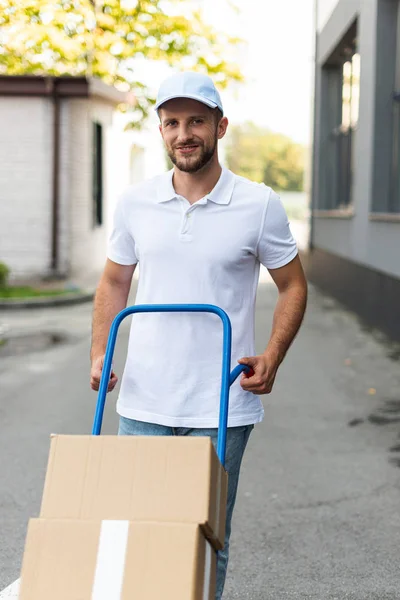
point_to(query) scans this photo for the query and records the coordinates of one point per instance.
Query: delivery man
(199, 233)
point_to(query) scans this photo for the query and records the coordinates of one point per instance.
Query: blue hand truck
(228, 377)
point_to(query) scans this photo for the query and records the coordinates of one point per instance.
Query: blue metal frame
(227, 377)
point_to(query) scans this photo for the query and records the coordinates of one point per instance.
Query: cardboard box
(116, 560)
(176, 479)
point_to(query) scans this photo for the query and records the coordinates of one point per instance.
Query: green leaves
(76, 37)
(263, 156)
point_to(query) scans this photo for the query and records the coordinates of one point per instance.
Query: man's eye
(197, 121)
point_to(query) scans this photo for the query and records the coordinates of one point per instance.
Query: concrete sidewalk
(318, 512)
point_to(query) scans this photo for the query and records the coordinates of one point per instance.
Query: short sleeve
(121, 245)
(276, 245)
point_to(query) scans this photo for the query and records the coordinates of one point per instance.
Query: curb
(48, 301)
(12, 591)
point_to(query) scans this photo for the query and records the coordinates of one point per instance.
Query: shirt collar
(220, 194)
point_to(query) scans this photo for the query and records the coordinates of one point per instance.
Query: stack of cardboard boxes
(127, 518)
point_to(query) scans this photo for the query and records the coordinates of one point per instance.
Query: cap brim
(209, 103)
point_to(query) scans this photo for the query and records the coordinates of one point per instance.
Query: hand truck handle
(227, 377)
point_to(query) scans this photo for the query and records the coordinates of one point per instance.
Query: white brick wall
(26, 162)
(26, 156)
(25, 185)
(87, 242)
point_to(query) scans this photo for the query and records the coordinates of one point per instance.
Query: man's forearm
(288, 316)
(110, 299)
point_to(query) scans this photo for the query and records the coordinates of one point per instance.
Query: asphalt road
(318, 511)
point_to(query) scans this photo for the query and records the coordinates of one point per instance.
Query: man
(199, 233)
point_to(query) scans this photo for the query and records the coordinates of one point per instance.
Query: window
(346, 132)
(394, 195)
(351, 92)
(339, 117)
(385, 196)
(97, 170)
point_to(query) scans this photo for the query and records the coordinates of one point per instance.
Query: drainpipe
(55, 211)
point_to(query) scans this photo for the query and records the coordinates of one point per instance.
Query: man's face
(190, 132)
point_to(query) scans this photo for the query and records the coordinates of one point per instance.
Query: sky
(277, 62)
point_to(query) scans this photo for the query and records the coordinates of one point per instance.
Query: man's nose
(184, 133)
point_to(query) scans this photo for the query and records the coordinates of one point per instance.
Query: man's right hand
(95, 375)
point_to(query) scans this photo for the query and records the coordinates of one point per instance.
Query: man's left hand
(262, 380)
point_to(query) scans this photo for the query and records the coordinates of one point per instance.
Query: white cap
(189, 85)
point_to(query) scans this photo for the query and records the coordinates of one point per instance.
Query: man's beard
(191, 165)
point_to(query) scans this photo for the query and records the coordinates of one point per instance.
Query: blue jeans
(236, 441)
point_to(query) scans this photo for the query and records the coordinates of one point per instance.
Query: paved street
(318, 513)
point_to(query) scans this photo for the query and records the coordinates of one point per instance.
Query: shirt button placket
(187, 223)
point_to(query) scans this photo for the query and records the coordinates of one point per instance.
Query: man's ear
(222, 127)
(160, 123)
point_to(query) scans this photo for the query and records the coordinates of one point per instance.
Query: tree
(263, 156)
(105, 40)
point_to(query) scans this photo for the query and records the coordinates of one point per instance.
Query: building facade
(64, 158)
(355, 223)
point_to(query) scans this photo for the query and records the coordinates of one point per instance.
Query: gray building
(355, 223)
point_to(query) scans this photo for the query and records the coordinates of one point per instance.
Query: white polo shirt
(208, 252)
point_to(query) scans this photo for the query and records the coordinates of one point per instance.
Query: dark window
(394, 195)
(385, 197)
(97, 174)
(339, 118)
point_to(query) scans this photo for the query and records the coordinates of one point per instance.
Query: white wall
(26, 163)
(25, 185)
(324, 10)
(150, 162)
(87, 242)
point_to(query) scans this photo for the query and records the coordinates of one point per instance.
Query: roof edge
(64, 86)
